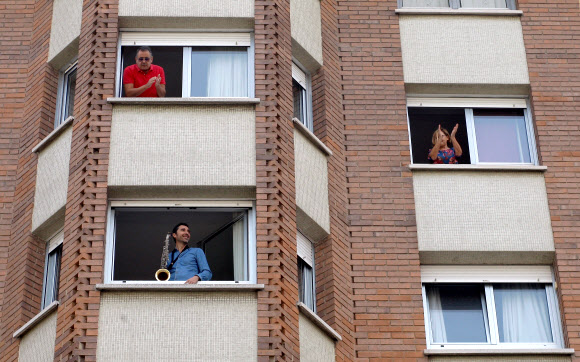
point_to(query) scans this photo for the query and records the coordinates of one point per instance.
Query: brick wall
(552, 40)
(388, 308)
(29, 81)
(86, 209)
(333, 268)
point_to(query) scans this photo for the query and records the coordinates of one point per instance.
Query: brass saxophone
(163, 274)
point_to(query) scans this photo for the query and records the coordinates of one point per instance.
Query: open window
(52, 270)
(496, 307)
(136, 235)
(65, 97)
(457, 4)
(302, 96)
(195, 64)
(306, 283)
(491, 131)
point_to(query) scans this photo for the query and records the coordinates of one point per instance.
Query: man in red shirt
(144, 79)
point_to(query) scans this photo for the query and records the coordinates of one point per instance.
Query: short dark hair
(177, 227)
(143, 49)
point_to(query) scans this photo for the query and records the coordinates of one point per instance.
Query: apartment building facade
(293, 139)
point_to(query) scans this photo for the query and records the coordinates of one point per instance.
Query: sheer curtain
(483, 4)
(426, 3)
(436, 314)
(501, 139)
(522, 313)
(227, 73)
(239, 252)
(307, 286)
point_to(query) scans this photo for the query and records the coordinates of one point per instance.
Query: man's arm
(131, 91)
(204, 270)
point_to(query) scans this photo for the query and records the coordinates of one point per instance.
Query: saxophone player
(187, 263)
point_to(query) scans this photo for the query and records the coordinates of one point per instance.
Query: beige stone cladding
(490, 213)
(306, 30)
(311, 188)
(177, 326)
(51, 184)
(65, 30)
(209, 145)
(463, 49)
(37, 345)
(315, 344)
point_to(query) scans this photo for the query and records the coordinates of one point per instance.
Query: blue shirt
(190, 263)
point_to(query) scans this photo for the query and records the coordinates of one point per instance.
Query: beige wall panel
(182, 146)
(306, 30)
(37, 345)
(65, 30)
(482, 211)
(177, 326)
(51, 180)
(506, 358)
(481, 50)
(311, 170)
(315, 345)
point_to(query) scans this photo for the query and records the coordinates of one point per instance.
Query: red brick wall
(388, 322)
(86, 210)
(552, 40)
(28, 91)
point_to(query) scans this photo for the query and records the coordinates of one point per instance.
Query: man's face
(182, 235)
(144, 60)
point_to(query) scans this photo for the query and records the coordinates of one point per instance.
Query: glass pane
(425, 3)
(298, 94)
(69, 97)
(522, 313)
(501, 136)
(306, 287)
(219, 72)
(457, 313)
(484, 4)
(51, 277)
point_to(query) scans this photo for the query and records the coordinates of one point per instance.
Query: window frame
(63, 93)
(250, 250)
(53, 247)
(488, 276)
(303, 78)
(186, 40)
(468, 104)
(456, 4)
(306, 257)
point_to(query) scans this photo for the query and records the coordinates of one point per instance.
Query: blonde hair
(436, 134)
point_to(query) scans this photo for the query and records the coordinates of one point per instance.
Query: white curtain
(436, 313)
(227, 74)
(425, 3)
(307, 285)
(239, 252)
(524, 316)
(483, 4)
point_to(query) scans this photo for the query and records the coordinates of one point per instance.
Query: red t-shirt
(133, 74)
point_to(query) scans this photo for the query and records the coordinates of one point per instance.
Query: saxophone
(163, 274)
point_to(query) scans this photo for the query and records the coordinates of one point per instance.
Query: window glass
(501, 135)
(483, 4)
(299, 97)
(66, 95)
(219, 72)
(51, 276)
(426, 3)
(306, 284)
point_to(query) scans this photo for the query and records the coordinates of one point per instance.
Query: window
(501, 313)
(66, 94)
(302, 96)
(196, 64)
(306, 285)
(490, 131)
(52, 270)
(137, 232)
(456, 4)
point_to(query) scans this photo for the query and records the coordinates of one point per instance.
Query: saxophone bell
(163, 274)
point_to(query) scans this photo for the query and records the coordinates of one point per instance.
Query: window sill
(484, 352)
(311, 136)
(449, 11)
(308, 313)
(53, 135)
(183, 101)
(163, 287)
(36, 319)
(507, 168)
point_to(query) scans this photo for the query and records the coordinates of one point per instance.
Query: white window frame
(53, 243)
(487, 276)
(250, 250)
(305, 251)
(187, 40)
(303, 78)
(456, 4)
(63, 94)
(468, 104)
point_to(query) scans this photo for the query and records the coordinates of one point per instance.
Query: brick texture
(30, 82)
(275, 186)
(552, 40)
(388, 310)
(86, 209)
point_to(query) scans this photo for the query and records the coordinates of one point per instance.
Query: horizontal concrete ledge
(36, 319)
(510, 168)
(311, 136)
(499, 351)
(53, 135)
(166, 287)
(449, 11)
(183, 101)
(308, 313)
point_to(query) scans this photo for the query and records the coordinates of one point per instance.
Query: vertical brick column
(388, 306)
(86, 209)
(552, 39)
(275, 186)
(28, 91)
(333, 267)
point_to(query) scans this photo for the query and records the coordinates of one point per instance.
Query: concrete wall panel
(315, 345)
(65, 30)
(306, 30)
(37, 345)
